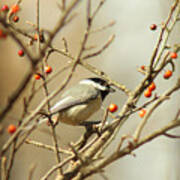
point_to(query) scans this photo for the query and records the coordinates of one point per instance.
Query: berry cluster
(148, 91)
(167, 74)
(13, 10)
(47, 69)
(147, 94)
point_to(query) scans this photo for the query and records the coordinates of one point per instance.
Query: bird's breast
(80, 113)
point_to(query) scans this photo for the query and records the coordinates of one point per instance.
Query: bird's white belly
(80, 113)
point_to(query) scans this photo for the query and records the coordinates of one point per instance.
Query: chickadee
(81, 101)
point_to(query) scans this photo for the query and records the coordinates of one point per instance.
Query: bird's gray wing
(77, 98)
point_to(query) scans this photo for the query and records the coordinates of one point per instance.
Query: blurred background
(132, 47)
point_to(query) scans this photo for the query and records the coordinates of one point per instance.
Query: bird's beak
(112, 90)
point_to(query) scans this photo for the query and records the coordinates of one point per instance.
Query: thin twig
(54, 168)
(107, 44)
(164, 35)
(53, 128)
(47, 147)
(103, 28)
(171, 136)
(31, 171)
(3, 168)
(12, 158)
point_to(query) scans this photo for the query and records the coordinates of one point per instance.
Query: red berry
(16, 18)
(21, 52)
(37, 76)
(2, 34)
(5, 8)
(153, 27)
(11, 129)
(167, 74)
(147, 93)
(112, 108)
(173, 55)
(152, 86)
(14, 8)
(48, 69)
(142, 113)
(143, 67)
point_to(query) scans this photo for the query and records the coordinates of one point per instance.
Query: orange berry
(11, 129)
(48, 69)
(147, 93)
(35, 37)
(16, 18)
(142, 113)
(153, 27)
(173, 55)
(167, 74)
(152, 86)
(15, 8)
(112, 108)
(37, 76)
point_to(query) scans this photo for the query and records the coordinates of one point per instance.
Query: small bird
(81, 101)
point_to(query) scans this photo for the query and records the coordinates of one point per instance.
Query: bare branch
(47, 147)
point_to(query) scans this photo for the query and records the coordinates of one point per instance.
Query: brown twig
(101, 50)
(31, 171)
(163, 38)
(47, 147)
(11, 159)
(3, 168)
(104, 27)
(171, 136)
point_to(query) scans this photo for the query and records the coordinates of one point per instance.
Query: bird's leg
(91, 128)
